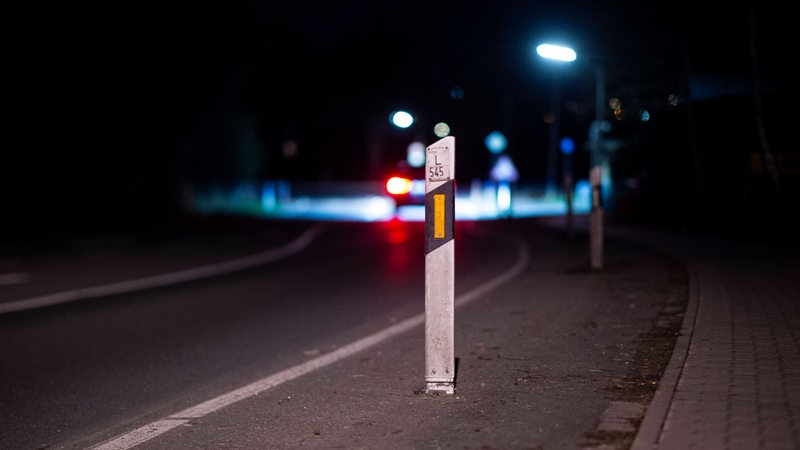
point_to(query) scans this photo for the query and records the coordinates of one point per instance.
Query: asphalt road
(566, 338)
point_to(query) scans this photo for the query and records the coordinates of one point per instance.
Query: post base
(440, 387)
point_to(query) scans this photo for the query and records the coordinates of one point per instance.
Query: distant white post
(596, 220)
(440, 159)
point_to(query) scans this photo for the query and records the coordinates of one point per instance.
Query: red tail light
(398, 185)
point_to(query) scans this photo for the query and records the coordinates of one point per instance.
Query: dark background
(118, 111)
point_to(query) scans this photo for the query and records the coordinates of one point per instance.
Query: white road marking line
(166, 279)
(142, 434)
(151, 430)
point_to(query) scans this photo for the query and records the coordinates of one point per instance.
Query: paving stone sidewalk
(734, 378)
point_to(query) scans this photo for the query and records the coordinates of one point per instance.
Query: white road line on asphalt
(142, 434)
(166, 279)
(154, 429)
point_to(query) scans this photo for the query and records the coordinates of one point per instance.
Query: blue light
(496, 142)
(567, 145)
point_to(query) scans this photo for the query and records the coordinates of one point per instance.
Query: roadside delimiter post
(439, 265)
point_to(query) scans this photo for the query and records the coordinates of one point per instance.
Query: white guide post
(440, 159)
(596, 220)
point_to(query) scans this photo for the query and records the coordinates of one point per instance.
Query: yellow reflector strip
(438, 216)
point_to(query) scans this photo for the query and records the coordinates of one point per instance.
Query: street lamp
(566, 54)
(401, 119)
(558, 54)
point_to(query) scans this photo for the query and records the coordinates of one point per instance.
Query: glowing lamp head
(556, 52)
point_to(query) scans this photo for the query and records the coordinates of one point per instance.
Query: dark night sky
(116, 106)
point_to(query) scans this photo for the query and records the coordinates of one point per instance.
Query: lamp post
(598, 127)
(558, 54)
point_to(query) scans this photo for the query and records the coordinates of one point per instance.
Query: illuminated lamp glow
(496, 142)
(402, 119)
(567, 145)
(398, 185)
(377, 208)
(556, 52)
(441, 130)
(503, 196)
(415, 154)
(504, 169)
